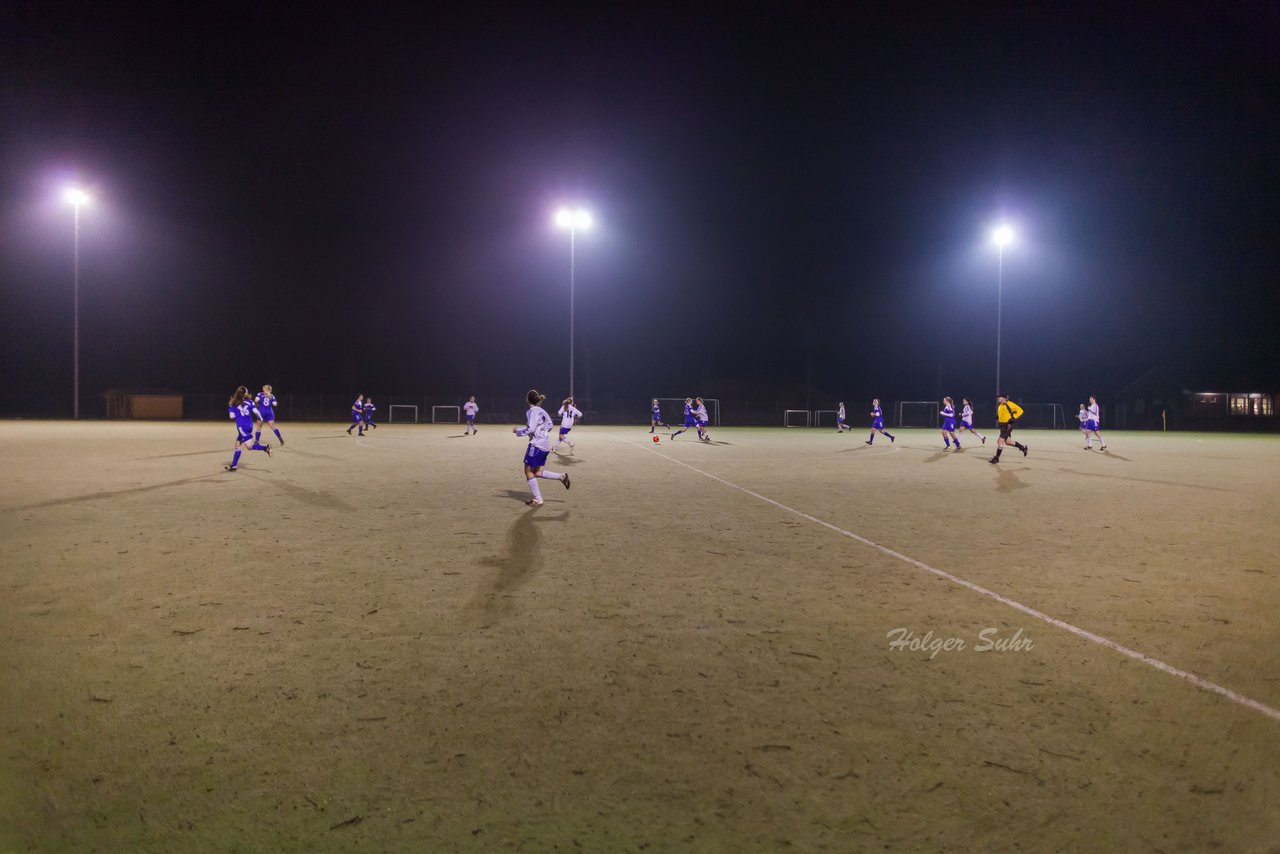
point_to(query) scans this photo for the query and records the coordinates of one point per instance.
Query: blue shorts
(471, 419)
(702, 423)
(244, 436)
(534, 458)
(840, 421)
(948, 425)
(267, 414)
(966, 425)
(564, 431)
(1091, 425)
(357, 417)
(877, 424)
(690, 421)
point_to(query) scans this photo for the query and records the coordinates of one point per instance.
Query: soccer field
(372, 644)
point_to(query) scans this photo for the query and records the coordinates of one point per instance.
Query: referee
(1007, 413)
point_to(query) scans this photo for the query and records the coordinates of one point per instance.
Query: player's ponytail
(238, 397)
(535, 398)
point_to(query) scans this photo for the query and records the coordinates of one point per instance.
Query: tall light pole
(572, 219)
(1002, 236)
(76, 197)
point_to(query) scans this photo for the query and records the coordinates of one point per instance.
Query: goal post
(446, 415)
(1043, 416)
(409, 412)
(673, 409)
(792, 417)
(818, 419)
(917, 413)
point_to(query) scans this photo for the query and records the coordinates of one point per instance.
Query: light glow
(76, 196)
(1003, 235)
(573, 219)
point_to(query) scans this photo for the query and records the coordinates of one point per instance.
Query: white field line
(1203, 684)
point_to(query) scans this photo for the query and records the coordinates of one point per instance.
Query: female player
(1083, 417)
(567, 412)
(1094, 425)
(877, 422)
(471, 408)
(265, 401)
(242, 411)
(700, 415)
(357, 415)
(840, 425)
(655, 416)
(689, 419)
(537, 428)
(368, 413)
(966, 420)
(948, 414)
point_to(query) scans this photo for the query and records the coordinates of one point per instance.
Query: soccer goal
(818, 419)
(795, 418)
(1043, 416)
(446, 415)
(673, 410)
(918, 413)
(408, 412)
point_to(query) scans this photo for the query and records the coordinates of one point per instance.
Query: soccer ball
(656, 440)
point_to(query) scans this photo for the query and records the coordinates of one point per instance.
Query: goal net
(408, 412)
(795, 418)
(446, 415)
(917, 413)
(673, 410)
(1044, 416)
(825, 416)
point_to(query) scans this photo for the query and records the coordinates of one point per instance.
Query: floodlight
(76, 196)
(1002, 235)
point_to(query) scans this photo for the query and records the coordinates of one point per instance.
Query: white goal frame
(787, 413)
(391, 411)
(457, 415)
(713, 409)
(899, 422)
(1057, 417)
(818, 413)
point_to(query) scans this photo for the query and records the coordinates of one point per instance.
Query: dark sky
(789, 198)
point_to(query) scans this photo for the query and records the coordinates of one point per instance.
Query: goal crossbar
(818, 413)
(410, 409)
(787, 417)
(439, 414)
(920, 413)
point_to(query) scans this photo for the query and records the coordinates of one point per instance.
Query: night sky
(793, 200)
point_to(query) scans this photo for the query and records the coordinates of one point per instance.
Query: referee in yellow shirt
(1007, 413)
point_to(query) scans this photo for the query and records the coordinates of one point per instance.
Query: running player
(1083, 417)
(266, 403)
(966, 420)
(1007, 413)
(689, 419)
(877, 422)
(242, 411)
(567, 412)
(840, 425)
(700, 415)
(357, 415)
(538, 428)
(655, 416)
(368, 413)
(948, 414)
(1094, 424)
(471, 408)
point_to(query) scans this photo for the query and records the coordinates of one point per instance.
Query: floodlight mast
(76, 197)
(572, 219)
(1002, 236)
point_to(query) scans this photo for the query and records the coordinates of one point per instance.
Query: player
(1083, 417)
(966, 420)
(948, 414)
(471, 408)
(243, 412)
(1094, 425)
(877, 422)
(689, 419)
(357, 415)
(265, 401)
(655, 416)
(368, 413)
(840, 425)
(537, 428)
(567, 412)
(702, 419)
(1007, 413)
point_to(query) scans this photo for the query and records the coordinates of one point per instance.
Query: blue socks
(276, 430)
(235, 459)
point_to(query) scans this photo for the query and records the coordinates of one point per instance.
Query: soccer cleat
(229, 468)
(984, 440)
(890, 440)
(1088, 447)
(565, 480)
(868, 442)
(1025, 448)
(533, 502)
(994, 460)
(282, 443)
(267, 448)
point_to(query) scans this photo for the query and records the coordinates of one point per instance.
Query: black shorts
(1006, 430)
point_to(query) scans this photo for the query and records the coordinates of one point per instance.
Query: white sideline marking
(1203, 684)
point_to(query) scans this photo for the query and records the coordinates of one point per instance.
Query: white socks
(533, 487)
(549, 475)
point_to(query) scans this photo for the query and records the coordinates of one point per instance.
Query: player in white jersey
(840, 425)
(1082, 416)
(538, 428)
(1093, 425)
(567, 412)
(966, 420)
(470, 408)
(700, 414)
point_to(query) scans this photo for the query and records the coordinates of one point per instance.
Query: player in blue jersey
(690, 420)
(655, 416)
(243, 412)
(966, 420)
(877, 422)
(357, 416)
(368, 413)
(948, 413)
(471, 408)
(840, 425)
(265, 401)
(538, 428)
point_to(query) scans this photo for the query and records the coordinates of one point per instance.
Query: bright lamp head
(1002, 236)
(573, 219)
(75, 196)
